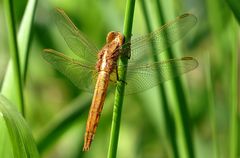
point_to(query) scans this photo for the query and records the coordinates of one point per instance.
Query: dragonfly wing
(161, 39)
(76, 41)
(140, 78)
(81, 74)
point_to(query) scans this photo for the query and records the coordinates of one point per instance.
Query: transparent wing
(143, 77)
(161, 39)
(81, 74)
(74, 38)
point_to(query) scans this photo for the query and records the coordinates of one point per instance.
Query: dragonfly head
(116, 36)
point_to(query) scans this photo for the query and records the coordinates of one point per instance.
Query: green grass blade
(13, 48)
(6, 149)
(169, 123)
(225, 40)
(119, 93)
(181, 114)
(234, 121)
(22, 141)
(23, 41)
(212, 107)
(24, 35)
(235, 7)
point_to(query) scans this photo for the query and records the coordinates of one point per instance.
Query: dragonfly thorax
(108, 55)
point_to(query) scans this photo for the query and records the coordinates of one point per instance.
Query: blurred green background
(51, 98)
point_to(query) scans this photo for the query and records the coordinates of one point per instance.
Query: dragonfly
(95, 70)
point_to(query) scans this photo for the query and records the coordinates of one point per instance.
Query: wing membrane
(81, 74)
(139, 77)
(74, 38)
(143, 77)
(161, 39)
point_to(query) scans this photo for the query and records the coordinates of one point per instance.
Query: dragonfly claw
(123, 81)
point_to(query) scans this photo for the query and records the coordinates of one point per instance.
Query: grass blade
(6, 149)
(13, 48)
(212, 107)
(119, 93)
(181, 114)
(235, 7)
(234, 121)
(23, 41)
(22, 141)
(169, 123)
(225, 39)
(24, 35)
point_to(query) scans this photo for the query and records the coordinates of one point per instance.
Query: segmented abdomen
(96, 108)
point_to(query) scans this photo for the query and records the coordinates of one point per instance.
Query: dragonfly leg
(127, 51)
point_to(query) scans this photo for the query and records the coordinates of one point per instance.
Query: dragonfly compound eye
(111, 36)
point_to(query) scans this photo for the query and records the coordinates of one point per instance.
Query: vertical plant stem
(119, 93)
(211, 103)
(234, 121)
(185, 146)
(24, 36)
(216, 12)
(169, 123)
(14, 52)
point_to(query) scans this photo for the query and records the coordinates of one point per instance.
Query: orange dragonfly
(99, 67)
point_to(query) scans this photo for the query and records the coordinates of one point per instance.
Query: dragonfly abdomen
(96, 108)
